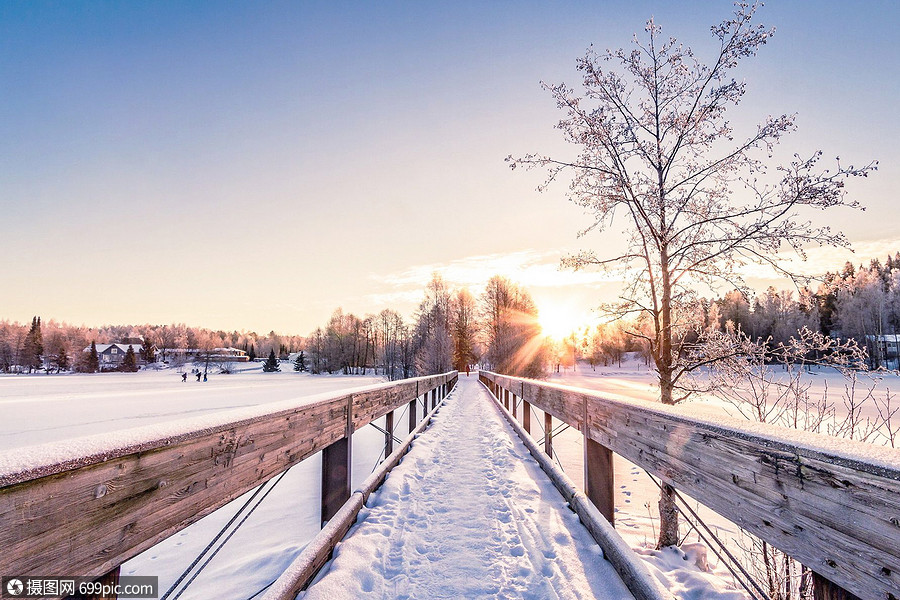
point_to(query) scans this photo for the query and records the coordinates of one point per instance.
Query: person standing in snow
(184, 376)
(198, 374)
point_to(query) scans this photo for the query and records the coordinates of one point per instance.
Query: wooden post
(433, 398)
(336, 470)
(548, 437)
(823, 589)
(506, 399)
(526, 416)
(599, 484)
(412, 413)
(389, 436)
(111, 579)
(599, 480)
(514, 405)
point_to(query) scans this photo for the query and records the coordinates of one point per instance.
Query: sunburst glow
(558, 321)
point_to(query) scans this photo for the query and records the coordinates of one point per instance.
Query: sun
(557, 322)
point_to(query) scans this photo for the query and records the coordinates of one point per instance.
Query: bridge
(88, 508)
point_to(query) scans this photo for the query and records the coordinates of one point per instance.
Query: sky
(254, 166)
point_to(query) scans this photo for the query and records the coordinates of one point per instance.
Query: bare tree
(695, 200)
(434, 344)
(465, 328)
(513, 344)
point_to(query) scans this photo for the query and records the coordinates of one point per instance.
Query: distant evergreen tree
(271, 364)
(300, 362)
(33, 347)
(61, 361)
(147, 353)
(252, 352)
(129, 363)
(93, 361)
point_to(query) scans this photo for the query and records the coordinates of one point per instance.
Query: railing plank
(835, 507)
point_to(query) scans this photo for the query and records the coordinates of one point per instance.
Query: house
(218, 355)
(112, 355)
(884, 350)
(229, 355)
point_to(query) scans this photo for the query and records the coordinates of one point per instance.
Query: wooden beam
(109, 581)
(825, 590)
(548, 434)
(335, 478)
(526, 416)
(412, 413)
(389, 436)
(336, 470)
(599, 483)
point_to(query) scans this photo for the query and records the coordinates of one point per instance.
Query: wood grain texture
(89, 515)
(836, 512)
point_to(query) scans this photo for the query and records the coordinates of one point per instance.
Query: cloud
(579, 292)
(529, 268)
(821, 260)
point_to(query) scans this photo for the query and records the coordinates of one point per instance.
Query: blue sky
(256, 165)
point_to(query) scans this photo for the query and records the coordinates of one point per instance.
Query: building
(215, 355)
(229, 355)
(112, 355)
(884, 350)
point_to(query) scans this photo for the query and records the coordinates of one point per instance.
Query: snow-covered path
(468, 514)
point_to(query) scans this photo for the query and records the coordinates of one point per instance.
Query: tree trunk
(668, 517)
(668, 513)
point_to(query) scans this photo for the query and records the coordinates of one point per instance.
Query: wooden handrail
(84, 507)
(834, 505)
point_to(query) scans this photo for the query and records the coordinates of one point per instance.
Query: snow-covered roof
(894, 337)
(101, 348)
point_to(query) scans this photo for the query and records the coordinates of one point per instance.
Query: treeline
(58, 346)
(451, 329)
(859, 303)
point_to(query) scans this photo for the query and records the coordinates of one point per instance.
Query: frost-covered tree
(395, 344)
(464, 314)
(513, 341)
(434, 344)
(659, 160)
(148, 354)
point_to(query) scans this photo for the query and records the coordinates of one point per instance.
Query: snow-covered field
(46, 408)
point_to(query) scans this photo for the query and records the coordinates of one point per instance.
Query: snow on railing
(86, 506)
(832, 504)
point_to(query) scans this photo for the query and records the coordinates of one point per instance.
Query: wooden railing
(85, 508)
(834, 505)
